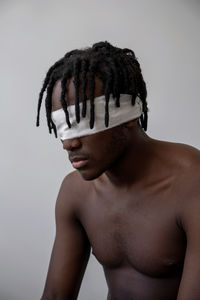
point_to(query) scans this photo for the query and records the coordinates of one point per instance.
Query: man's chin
(88, 176)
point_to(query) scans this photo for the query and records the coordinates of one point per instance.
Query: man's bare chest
(136, 232)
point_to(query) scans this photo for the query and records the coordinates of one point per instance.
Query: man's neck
(134, 164)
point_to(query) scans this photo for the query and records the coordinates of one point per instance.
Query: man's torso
(136, 235)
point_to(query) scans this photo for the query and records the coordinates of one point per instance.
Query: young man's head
(91, 94)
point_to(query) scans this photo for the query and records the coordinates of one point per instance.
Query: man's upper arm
(71, 248)
(189, 288)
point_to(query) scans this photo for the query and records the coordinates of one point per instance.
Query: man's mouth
(79, 164)
(78, 161)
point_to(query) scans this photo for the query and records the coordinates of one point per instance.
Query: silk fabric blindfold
(117, 115)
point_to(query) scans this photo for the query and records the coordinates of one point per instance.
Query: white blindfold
(117, 115)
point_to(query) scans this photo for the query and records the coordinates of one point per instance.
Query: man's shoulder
(185, 157)
(187, 182)
(72, 191)
(75, 186)
(70, 177)
(185, 163)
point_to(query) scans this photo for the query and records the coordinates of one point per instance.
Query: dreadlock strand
(140, 87)
(91, 93)
(54, 129)
(115, 79)
(132, 80)
(84, 69)
(107, 97)
(120, 80)
(76, 85)
(123, 76)
(63, 94)
(108, 84)
(45, 84)
(145, 120)
(48, 102)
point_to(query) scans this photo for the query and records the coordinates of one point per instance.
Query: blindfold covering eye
(117, 115)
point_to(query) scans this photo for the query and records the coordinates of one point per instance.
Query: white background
(33, 35)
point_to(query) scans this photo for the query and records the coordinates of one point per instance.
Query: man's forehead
(71, 92)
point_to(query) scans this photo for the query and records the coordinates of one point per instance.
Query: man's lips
(78, 161)
(79, 164)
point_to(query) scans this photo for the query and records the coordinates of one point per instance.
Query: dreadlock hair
(118, 69)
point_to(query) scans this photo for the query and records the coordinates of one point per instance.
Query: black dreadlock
(118, 69)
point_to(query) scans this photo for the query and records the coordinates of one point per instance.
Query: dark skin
(136, 205)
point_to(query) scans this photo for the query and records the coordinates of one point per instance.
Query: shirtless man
(133, 200)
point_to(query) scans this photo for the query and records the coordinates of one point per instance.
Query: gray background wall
(33, 35)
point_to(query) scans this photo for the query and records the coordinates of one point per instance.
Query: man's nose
(71, 144)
